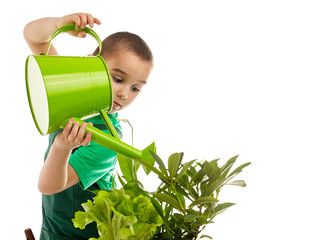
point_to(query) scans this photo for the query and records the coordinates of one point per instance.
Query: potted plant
(184, 203)
(187, 198)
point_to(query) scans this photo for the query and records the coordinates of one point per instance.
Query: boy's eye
(135, 89)
(116, 79)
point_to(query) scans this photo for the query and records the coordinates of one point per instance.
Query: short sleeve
(92, 162)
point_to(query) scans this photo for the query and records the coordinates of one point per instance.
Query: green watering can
(61, 87)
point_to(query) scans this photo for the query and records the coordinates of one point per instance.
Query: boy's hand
(80, 20)
(73, 136)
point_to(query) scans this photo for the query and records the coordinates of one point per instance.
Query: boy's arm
(37, 33)
(57, 174)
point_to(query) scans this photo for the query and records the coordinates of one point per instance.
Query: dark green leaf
(166, 197)
(214, 186)
(202, 200)
(184, 169)
(159, 161)
(174, 162)
(221, 208)
(198, 176)
(191, 217)
(191, 171)
(182, 191)
(194, 193)
(149, 166)
(157, 206)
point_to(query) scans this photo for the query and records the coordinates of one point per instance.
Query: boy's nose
(123, 94)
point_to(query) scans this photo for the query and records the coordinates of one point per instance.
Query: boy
(73, 164)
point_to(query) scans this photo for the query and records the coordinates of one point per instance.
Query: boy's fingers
(67, 128)
(81, 132)
(90, 20)
(76, 19)
(97, 21)
(87, 139)
(74, 131)
(84, 20)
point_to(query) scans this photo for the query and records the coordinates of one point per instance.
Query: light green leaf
(206, 236)
(126, 166)
(239, 183)
(228, 165)
(202, 200)
(174, 162)
(239, 169)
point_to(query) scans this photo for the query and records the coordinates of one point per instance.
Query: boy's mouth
(116, 105)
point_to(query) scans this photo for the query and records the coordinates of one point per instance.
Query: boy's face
(128, 74)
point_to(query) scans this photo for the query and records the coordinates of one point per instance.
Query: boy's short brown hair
(125, 41)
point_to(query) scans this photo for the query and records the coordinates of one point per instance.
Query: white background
(230, 77)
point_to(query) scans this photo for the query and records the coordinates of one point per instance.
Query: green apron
(58, 209)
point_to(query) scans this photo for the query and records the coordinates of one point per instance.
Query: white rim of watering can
(39, 111)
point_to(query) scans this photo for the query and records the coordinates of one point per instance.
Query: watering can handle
(71, 27)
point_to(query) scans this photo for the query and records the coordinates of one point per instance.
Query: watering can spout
(115, 144)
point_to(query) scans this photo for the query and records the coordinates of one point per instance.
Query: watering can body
(61, 87)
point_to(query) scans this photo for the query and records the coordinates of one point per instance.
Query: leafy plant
(120, 215)
(187, 198)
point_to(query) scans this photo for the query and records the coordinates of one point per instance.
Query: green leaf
(182, 191)
(150, 166)
(214, 186)
(191, 217)
(221, 208)
(210, 170)
(206, 236)
(159, 161)
(194, 193)
(119, 215)
(126, 166)
(228, 165)
(157, 206)
(198, 176)
(202, 200)
(121, 180)
(191, 171)
(185, 167)
(239, 183)
(171, 200)
(239, 169)
(174, 162)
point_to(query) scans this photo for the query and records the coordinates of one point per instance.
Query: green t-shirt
(94, 165)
